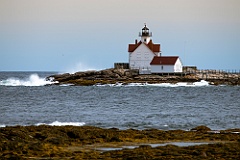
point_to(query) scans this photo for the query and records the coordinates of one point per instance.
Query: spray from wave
(79, 67)
(32, 80)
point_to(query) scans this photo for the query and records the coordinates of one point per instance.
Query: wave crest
(57, 123)
(179, 84)
(32, 80)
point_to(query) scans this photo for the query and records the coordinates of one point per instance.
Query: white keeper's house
(166, 64)
(146, 56)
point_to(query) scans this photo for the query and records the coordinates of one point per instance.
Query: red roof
(132, 47)
(164, 60)
(153, 47)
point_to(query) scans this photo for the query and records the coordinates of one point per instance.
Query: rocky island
(127, 76)
(146, 65)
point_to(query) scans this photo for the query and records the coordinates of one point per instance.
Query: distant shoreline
(124, 76)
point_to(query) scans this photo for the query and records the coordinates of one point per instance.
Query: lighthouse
(145, 57)
(142, 52)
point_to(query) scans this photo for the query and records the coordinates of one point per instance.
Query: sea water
(26, 98)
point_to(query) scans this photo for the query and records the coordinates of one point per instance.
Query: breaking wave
(180, 84)
(57, 123)
(32, 80)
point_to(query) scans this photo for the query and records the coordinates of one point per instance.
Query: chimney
(136, 41)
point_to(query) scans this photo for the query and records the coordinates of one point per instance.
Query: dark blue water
(139, 106)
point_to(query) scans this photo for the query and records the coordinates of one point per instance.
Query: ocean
(26, 98)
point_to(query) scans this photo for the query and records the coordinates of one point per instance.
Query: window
(162, 67)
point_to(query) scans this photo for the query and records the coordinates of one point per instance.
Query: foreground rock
(113, 76)
(69, 142)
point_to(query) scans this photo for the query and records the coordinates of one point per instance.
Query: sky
(75, 35)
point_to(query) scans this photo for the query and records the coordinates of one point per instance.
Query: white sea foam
(179, 84)
(32, 80)
(57, 123)
(201, 83)
(182, 84)
(1, 126)
(66, 85)
(137, 84)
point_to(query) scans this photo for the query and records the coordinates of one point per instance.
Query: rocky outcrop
(71, 142)
(125, 76)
